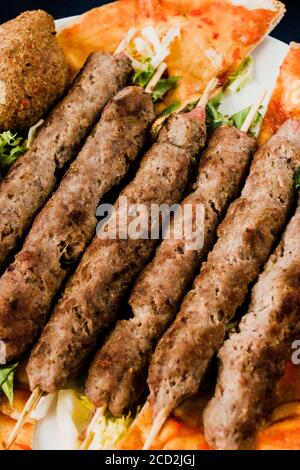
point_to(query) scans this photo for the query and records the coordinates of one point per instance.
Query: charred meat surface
(253, 360)
(109, 266)
(33, 178)
(33, 70)
(122, 363)
(68, 221)
(246, 237)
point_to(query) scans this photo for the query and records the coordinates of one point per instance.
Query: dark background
(288, 30)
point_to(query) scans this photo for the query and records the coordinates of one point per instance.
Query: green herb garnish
(7, 381)
(143, 77)
(239, 118)
(241, 77)
(171, 109)
(214, 118)
(297, 179)
(163, 86)
(11, 148)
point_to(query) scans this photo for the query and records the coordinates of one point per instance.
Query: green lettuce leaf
(297, 179)
(143, 77)
(214, 118)
(171, 109)
(163, 86)
(255, 123)
(11, 148)
(191, 106)
(7, 381)
(239, 118)
(241, 77)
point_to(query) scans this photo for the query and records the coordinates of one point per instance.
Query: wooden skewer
(212, 85)
(252, 113)
(124, 43)
(157, 424)
(90, 432)
(189, 100)
(30, 405)
(201, 103)
(156, 77)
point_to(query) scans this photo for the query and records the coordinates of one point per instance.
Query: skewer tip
(28, 408)
(211, 87)
(252, 113)
(157, 424)
(156, 77)
(90, 432)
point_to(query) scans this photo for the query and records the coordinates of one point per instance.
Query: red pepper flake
(197, 12)
(24, 103)
(236, 55)
(223, 78)
(216, 35)
(207, 21)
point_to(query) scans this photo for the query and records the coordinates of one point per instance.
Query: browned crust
(281, 10)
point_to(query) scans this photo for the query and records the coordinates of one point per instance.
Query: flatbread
(283, 432)
(25, 438)
(216, 36)
(285, 101)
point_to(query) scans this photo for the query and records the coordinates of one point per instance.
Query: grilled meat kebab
(33, 177)
(253, 360)
(67, 223)
(118, 374)
(246, 238)
(109, 266)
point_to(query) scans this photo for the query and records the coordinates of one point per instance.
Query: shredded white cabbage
(72, 415)
(160, 52)
(171, 36)
(32, 132)
(43, 407)
(243, 77)
(109, 431)
(150, 45)
(142, 47)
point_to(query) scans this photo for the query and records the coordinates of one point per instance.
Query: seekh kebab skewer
(253, 360)
(33, 177)
(109, 266)
(67, 223)
(246, 238)
(118, 373)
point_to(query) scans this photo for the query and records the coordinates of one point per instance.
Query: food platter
(267, 59)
